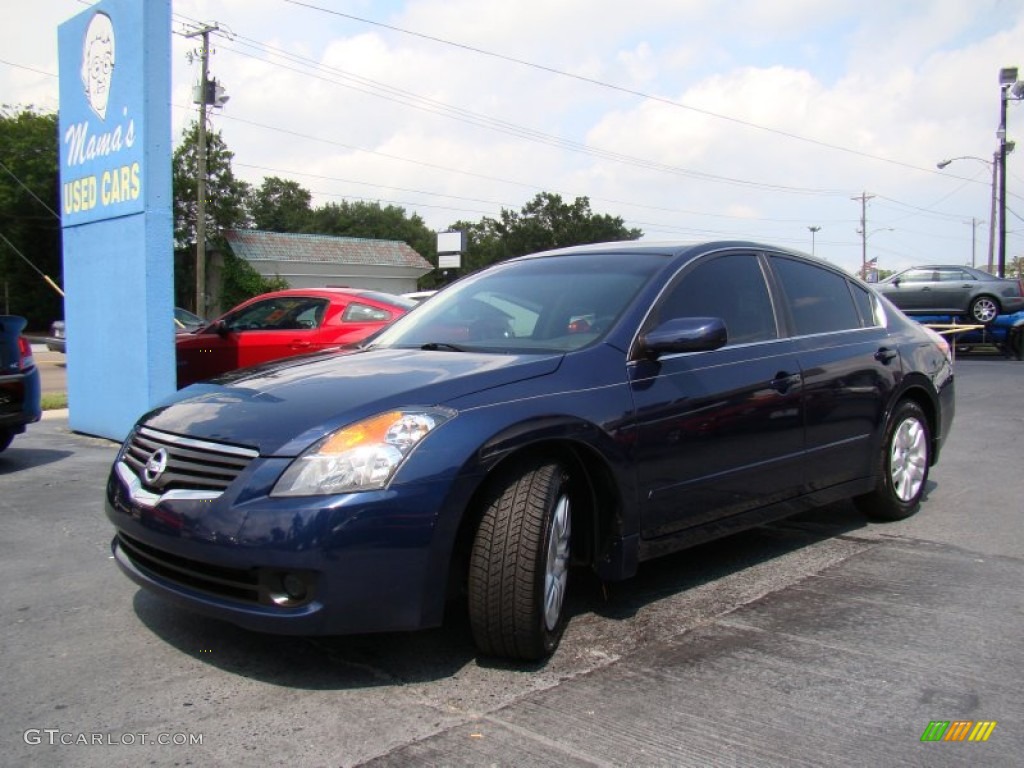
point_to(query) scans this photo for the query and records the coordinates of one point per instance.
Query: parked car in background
(1005, 333)
(281, 324)
(936, 290)
(57, 341)
(20, 389)
(594, 407)
(184, 322)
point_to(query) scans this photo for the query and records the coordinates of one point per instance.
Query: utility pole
(993, 214)
(204, 53)
(974, 241)
(863, 197)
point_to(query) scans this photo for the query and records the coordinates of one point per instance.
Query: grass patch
(53, 401)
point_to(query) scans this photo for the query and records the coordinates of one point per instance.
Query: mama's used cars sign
(116, 219)
(101, 117)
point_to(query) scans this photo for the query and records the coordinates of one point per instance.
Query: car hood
(282, 408)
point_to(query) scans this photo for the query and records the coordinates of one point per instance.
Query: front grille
(224, 582)
(192, 465)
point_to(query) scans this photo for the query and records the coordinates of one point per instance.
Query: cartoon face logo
(98, 62)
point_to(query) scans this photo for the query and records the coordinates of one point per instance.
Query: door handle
(885, 355)
(300, 344)
(783, 381)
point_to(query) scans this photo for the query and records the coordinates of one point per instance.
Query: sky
(692, 120)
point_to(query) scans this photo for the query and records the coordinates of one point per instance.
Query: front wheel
(902, 466)
(519, 565)
(6, 436)
(984, 310)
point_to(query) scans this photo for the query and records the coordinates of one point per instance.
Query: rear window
(819, 300)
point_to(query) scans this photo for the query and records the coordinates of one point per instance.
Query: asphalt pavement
(820, 641)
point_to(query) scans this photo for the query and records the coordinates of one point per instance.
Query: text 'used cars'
(590, 407)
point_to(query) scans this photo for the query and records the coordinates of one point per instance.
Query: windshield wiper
(433, 346)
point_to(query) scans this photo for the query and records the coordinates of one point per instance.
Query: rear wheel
(984, 309)
(5, 439)
(903, 466)
(519, 565)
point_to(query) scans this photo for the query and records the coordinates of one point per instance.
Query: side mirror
(896, 282)
(684, 334)
(220, 328)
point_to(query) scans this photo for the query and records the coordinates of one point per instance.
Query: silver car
(935, 290)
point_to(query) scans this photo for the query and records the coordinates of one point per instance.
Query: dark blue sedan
(20, 398)
(591, 407)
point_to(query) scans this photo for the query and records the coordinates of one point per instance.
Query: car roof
(666, 248)
(337, 292)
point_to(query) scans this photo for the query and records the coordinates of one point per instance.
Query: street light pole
(994, 165)
(1009, 88)
(814, 230)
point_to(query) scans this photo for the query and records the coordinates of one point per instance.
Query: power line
(614, 87)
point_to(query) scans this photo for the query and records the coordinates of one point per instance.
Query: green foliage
(226, 196)
(280, 205)
(28, 151)
(242, 282)
(543, 223)
(371, 220)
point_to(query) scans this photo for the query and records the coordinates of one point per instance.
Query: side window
(919, 276)
(867, 306)
(731, 287)
(364, 313)
(280, 314)
(819, 299)
(953, 275)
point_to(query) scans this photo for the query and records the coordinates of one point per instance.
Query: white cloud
(910, 81)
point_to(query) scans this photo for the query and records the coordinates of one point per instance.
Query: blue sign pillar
(116, 212)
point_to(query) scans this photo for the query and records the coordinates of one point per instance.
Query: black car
(954, 290)
(590, 407)
(20, 398)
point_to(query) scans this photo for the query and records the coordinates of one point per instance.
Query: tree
(280, 205)
(543, 223)
(370, 220)
(226, 196)
(226, 208)
(29, 207)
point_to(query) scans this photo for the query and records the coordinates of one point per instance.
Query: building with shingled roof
(318, 261)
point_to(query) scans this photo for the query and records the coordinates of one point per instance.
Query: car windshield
(546, 304)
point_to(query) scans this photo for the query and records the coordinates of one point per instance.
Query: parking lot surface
(822, 640)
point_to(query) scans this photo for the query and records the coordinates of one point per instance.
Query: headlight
(360, 457)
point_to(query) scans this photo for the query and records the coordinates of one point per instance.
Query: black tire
(984, 309)
(5, 439)
(902, 466)
(518, 568)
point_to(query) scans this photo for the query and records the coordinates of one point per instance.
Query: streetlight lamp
(994, 165)
(1009, 88)
(814, 230)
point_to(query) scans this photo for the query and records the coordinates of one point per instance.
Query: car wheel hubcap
(984, 311)
(556, 571)
(909, 459)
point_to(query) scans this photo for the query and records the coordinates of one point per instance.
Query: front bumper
(368, 562)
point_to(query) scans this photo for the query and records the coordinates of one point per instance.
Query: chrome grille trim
(192, 466)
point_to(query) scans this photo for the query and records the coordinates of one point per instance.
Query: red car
(282, 324)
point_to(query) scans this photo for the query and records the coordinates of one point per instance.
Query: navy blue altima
(590, 407)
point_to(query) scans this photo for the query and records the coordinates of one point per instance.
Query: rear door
(849, 366)
(719, 432)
